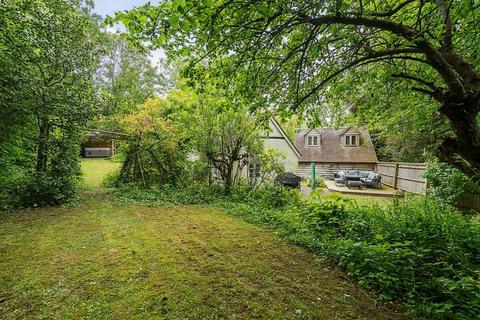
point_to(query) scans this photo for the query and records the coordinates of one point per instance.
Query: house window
(351, 140)
(313, 140)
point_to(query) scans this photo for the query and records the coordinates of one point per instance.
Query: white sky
(109, 7)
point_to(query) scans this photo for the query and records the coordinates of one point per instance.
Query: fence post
(395, 176)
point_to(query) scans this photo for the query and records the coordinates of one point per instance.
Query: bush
(12, 187)
(446, 183)
(418, 251)
(168, 195)
(319, 182)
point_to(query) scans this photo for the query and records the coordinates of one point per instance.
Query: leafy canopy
(286, 54)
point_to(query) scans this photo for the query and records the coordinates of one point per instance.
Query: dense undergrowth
(417, 251)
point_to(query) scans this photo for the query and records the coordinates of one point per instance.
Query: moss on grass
(103, 261)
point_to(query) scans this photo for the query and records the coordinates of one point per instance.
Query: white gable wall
(277, 141)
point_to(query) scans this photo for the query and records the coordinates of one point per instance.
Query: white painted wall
(276, 141)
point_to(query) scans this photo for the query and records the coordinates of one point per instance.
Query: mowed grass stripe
(103, 261)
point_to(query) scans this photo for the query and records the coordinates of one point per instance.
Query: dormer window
(313, 140)
(352, 140)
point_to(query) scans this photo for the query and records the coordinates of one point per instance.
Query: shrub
(423, 253)
(446, 183)
(319, 182)
(110, 179)
(12, 187)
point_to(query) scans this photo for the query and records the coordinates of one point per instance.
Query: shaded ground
(104, 261)
(101, 261)
(95, 170)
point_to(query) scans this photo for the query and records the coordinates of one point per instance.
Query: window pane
(315, 141)
(309, 141)
(354, 140)
(347, 140)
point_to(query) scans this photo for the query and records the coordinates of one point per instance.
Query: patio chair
(339, 178)
(372, 180)
(339, 181)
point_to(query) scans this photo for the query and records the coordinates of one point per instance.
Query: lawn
(94, 171)
(103, 261)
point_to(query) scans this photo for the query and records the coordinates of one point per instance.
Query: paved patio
(384, 192)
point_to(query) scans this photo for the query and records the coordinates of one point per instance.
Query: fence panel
(410, 177)
(387, 171)
(404, 176)
(471, 200)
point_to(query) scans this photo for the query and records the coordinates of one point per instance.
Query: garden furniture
(372, 180)
(355, 184)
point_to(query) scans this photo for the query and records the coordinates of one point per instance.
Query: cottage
(275, 138)
(333, 150)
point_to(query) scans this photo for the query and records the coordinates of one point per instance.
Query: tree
(156, 152)
(126, 78)
(291, 51)
(226, 135)
(49, 52)
(267, 166)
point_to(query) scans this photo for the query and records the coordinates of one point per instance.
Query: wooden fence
(471, 200)
(410, 177)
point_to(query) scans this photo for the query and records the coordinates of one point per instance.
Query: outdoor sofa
(351, 178)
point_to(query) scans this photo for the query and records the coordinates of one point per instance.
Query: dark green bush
(446, 183)
(423, 253)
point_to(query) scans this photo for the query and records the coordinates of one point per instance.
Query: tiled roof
(331, 148)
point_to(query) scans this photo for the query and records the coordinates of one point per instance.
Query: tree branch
(393, 11)
(373, 57)
(447, 21)
(434, 56)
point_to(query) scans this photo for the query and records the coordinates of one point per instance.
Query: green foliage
(125, 79)
(417, 251)
(48, 52)
(402, 68)
(407, 250)
(193, 194)
(110, 179)
(319, 181)
(269, 163)
(156, 149)
(446, 183)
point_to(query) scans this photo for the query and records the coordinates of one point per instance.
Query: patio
(384, 192)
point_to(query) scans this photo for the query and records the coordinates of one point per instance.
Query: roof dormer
(351, 139)
(313, 139)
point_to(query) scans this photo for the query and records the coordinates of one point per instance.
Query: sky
(108, 7)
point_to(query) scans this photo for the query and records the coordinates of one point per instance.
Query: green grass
(104, 261)
(94, 170)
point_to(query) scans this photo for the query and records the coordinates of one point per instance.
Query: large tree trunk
(42, 148)
(463, 151)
